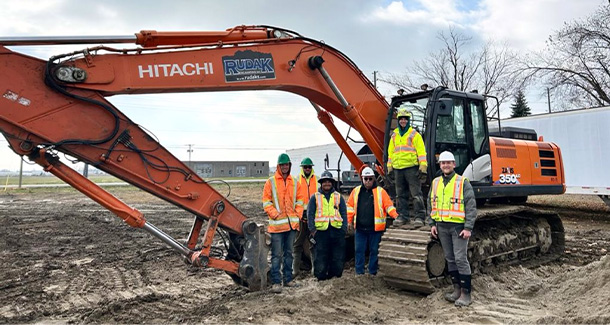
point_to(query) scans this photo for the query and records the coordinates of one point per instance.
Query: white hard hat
(446, 156)
(367, 171)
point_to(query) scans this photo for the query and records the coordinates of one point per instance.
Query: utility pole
(190, 150)
(375, 78)
(21, 172)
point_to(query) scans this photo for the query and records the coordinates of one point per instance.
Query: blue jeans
(281, 248)
(362, 240)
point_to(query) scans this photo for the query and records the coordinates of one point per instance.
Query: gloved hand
(423, 169)
(350, 229)
(390, 169)
(423, 174)
(311, 239)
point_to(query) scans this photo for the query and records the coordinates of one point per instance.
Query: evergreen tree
(519, 107)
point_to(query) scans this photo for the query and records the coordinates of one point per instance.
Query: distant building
(207, 169)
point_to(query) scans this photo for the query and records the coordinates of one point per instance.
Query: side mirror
(444, 107)
(326, 161)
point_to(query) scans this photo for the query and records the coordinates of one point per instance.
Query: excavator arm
(60, 105)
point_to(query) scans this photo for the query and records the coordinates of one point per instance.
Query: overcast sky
(384, 36)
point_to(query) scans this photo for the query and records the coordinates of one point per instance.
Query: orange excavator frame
(59, 105)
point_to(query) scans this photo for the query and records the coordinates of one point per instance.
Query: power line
(221, 148)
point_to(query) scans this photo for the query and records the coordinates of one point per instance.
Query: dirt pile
(580, 295)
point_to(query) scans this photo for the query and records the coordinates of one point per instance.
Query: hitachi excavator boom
(59, 105)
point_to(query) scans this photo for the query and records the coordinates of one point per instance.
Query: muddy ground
(65, 259)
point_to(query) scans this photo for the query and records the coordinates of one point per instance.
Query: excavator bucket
(253, 267)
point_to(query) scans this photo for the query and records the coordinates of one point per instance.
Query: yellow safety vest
(327, 211)
(407, 150)
(448, 200)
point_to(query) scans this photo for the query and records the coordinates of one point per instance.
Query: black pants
(301, 243)
(330, 253)
(407, 183)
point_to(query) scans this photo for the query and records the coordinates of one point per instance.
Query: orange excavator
(60, 105)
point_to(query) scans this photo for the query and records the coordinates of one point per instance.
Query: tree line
(574, 67)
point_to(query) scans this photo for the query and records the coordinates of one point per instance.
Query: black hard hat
(326, 175)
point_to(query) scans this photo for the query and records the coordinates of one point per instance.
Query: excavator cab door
(456, 122)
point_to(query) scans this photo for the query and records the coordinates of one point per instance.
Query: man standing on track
(452, 217)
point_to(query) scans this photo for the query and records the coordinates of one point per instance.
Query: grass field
(31, 180)
(28, 180)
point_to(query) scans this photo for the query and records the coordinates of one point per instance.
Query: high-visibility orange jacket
(382, 203)
(308, 186)
(282, 203)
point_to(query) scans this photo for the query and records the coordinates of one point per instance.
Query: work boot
(418, 223)
(464, 299)
(455, 294)
(400, 221)
(291, 284)
(276, 288)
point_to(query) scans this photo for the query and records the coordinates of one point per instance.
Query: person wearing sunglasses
(368, 207)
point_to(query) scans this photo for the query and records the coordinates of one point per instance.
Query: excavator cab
(448, 120)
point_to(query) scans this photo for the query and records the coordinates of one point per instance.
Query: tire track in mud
(70, 261)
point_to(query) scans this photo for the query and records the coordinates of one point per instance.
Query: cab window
(450, 129)
(478, 125)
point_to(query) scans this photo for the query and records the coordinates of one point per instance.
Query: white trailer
(581, 135)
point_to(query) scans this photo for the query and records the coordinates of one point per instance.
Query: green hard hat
(306, 162)
(283, 159)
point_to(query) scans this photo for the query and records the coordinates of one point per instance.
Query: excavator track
(411, 260)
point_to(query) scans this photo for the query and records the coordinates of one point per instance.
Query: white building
(321, 155)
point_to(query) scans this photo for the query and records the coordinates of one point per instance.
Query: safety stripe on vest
(456, 193)
(320, 208)
(410, 138)
(276, 202)
(294, 196)
(408, 147)
(355, 208)
(454, 208)
(275, 199)
(379, 204)
(282, 221)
